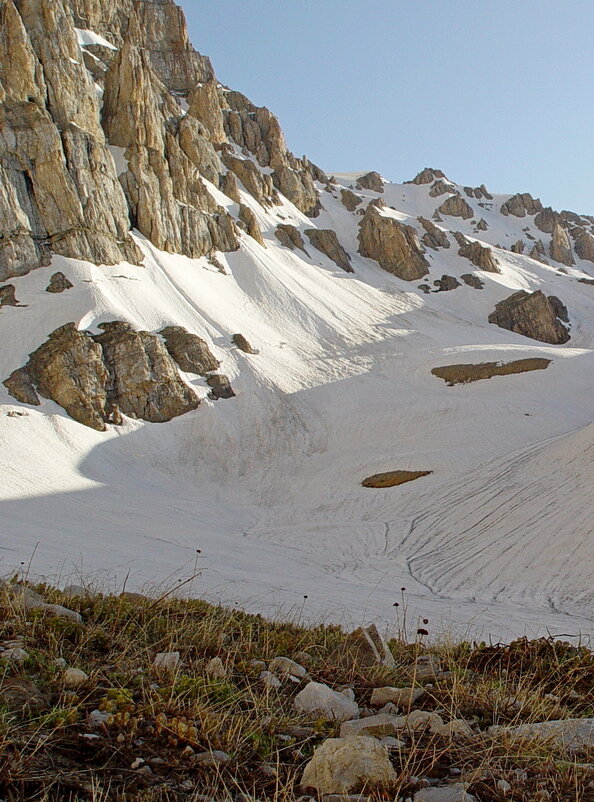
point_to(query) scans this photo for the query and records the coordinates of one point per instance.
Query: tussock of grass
(48, 751)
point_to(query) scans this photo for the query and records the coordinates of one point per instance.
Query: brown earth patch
(462, 374)
(393, 478)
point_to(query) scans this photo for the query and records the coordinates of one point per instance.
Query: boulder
(250, 223)
(482, 224)
(350, 199)
(532, 315)
(220, 387)
(290, 237)
(372, 181)
(394, 245)
(446, 283)
(59, 283)
(433, 237)
(143, 379)
(480, 255)
(240, 341)
(344, 765)
(472, 281)
(456, 206)
(20, 386)
(573, 734)
(401, 697)
(560, 249)
(8, 296)
(366, 647)
(321, 701)
(326, 241)
(521, 204)
(189, 351)
(377, 726)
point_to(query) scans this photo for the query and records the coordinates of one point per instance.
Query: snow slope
(497, 541)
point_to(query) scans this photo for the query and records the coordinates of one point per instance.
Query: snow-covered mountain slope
(260, 495)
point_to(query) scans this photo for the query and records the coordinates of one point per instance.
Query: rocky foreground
(136, 698)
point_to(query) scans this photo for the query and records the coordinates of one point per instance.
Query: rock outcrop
(372, 181)
(446, 283)
(143, 379)
(240, 341)
(220, 387)
(249, 221)
(350, 199)
(546, 219)
(560, 249)
(433, 237)
(59, 283)
(441, 187)
(394, 245)
(8, 296)
(456, 206)
(290, 237)
(326, 241)
(190, 352)
(480, 255)
(521, 204)
(426, 176)
(472, 280)
(96, 378)
(532, 315)
(583, 244)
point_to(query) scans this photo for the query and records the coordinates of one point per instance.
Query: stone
(573, 734)
(73, 677)
(220, 387)
(143, 380)
(29, 600)
(191, 353)
(350, 200)
(228, 185)
(583, 244)
(284, 665)
(471, 280)
(421, 720)
(426, 667)
(320, 700)
(8, 296)
(433, 237)
(241, 342)
(446, 283)
(440, 187)
(394, 245)
(482, 225)
(372, 181)
(20, 386)
(366, 647)
(215, 668)
(546, 220)
(401, 697)
(167, 661)
(326, 241)
(59, 283)
(250, 222)
(521, 204)
(345, 765)
(560, 249)
(455, 728)
(15, 654)
(532, 315)
(480, 255)
(211, 760)
(447, 793)
(426, 176)
(97, 719)
(270, 681)
(518, 246)
(377, 726)
(290, 237)
(456, 206)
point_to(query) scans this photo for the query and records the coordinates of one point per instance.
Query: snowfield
(259, 497)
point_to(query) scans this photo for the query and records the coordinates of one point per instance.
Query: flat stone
(283, 665)
(321, 700)
(448, 793)
(380, 725)
(401, 697)
(572, 733)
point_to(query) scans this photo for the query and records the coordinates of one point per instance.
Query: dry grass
(46, 752)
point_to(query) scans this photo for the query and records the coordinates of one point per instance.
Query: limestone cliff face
(134, 82)
(393, 244)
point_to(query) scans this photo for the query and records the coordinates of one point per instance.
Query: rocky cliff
(110, 120)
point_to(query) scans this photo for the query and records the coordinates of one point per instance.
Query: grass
(393, 478)
(464, 373)
(48, 750)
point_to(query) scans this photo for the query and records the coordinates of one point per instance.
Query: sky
(493, 91)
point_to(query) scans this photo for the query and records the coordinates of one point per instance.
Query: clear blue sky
(494, 91)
